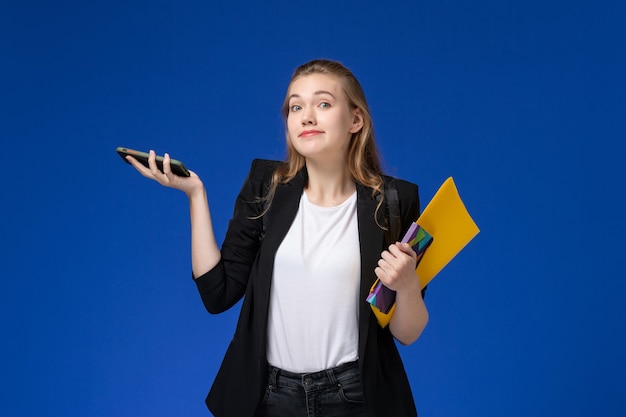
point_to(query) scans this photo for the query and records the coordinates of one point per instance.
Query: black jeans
(335, 392)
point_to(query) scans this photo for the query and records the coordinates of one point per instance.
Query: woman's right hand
(189, 185)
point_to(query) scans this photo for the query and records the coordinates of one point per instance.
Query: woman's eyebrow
(317, 93)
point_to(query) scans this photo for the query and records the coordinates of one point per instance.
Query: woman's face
(320, 121)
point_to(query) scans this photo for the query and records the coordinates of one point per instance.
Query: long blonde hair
(363, 157)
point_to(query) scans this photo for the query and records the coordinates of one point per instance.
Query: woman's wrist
(197, 192)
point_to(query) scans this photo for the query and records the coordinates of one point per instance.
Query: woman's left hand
(396, 270)
(396, 267)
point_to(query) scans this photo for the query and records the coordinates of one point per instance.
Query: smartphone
(177, 167)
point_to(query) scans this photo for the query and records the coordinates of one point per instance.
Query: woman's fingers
(396, 265)
(143, 170)
(153, 165)
(167, 168)
(399, 249)
(165, 176)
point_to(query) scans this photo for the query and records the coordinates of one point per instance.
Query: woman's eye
(324, 105)
(295, 107)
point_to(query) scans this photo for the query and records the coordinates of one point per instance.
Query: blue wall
(523, 103)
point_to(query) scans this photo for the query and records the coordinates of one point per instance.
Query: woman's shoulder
(261, 170)
(264, 165)
(404, 187)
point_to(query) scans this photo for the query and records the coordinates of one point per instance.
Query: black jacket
(246, 269)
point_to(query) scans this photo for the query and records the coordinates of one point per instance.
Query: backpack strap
(393, 211)
(394, 222)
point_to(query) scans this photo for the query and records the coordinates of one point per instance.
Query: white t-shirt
(313, 314)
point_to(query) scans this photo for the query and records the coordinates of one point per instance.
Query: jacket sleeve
(225, 284)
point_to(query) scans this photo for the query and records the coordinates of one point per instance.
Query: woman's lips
(308, 133)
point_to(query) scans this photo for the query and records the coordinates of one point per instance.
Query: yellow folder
(446, 219)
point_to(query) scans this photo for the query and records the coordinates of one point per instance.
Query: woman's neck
(328, 186)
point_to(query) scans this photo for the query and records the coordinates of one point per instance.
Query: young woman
(304, 246)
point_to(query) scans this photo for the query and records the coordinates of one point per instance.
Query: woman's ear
(357, 121)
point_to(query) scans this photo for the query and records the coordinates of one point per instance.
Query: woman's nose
(308, 118)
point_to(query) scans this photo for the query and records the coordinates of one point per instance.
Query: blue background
(522, 102)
